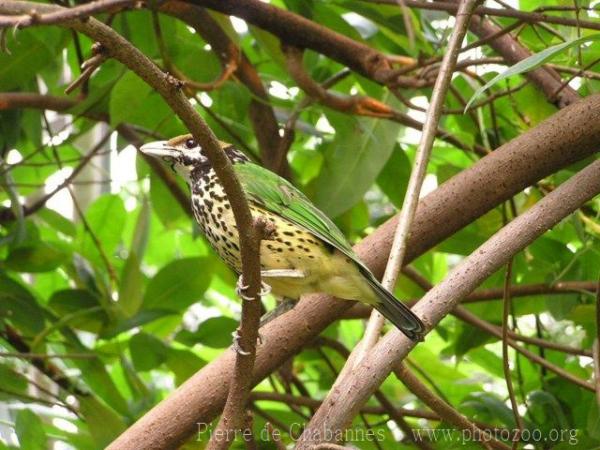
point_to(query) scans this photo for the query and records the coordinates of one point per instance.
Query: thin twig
(471, 318)
(30, 355)
(38, 17)
(446, 412)
(88, 68)
(505, 356)
(419, 170)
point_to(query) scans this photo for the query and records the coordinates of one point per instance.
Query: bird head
(185, 156)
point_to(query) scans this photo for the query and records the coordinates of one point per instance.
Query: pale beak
(159, 149)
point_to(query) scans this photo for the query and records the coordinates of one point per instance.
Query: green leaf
(19, 306)
(12, 381)
(533, 62)
(134, 101)
(106, 217)
(147, 351)
(30, 431)
(489, 408)
(353, 160)
(163, 203)
(183, 363)
(547, 410)
(393, 179)
(57, 221)
(179, 284)
(73, 301)
(141, 318)
(593, 421)
(214, 332)
(37, 257)
(132, 279)
(28, 51)
(104, 424)
(468, 338)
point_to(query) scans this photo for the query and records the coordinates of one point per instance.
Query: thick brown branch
(295, 30)
(358, 104)
(470, 194)
(440, 301)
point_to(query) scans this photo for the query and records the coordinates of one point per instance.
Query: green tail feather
(394, 310)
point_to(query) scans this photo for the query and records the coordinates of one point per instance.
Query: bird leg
(236, 344)
(240, 289)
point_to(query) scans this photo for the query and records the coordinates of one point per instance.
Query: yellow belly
(291, 247)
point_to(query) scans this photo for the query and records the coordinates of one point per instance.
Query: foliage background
(112, 276)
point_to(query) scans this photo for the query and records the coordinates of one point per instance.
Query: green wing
(273, 193)
(276, 194)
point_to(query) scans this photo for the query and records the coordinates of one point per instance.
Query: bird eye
(190, 143)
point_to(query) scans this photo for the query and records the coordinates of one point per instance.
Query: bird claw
(240, 287)
(265, 289)
(236, 343)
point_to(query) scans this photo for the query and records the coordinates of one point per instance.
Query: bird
(305, 251)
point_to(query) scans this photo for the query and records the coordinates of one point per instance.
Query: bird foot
(240, 289)
(236, 343)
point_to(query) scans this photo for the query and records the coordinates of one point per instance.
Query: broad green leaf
(134, 101)
(393, 179)
(104, 424)
(94, 374)
(533, 62)
(183, 363)
(489, 408)
(37, 257)
(57, 221)
(179, 284)
(69, 302)
(27, 52)
(106, 217)
(214, 332)
(147, 351)
(468, 338)
(132, 279)
(19, 306)
(547, 410)
(593, 422)
(164, 205)
(353, 160)
(141, 318)
(10, 124)
(12, 382)
(30, 431)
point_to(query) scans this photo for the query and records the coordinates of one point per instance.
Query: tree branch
(470, 194)
(438, 302)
